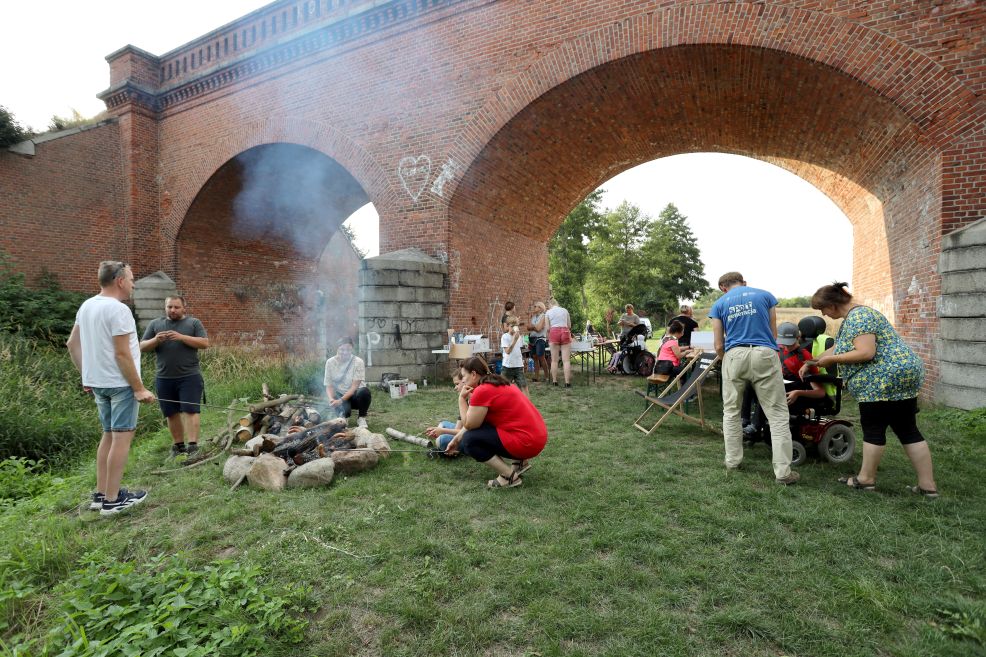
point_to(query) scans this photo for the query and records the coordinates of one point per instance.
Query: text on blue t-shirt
(745, 316)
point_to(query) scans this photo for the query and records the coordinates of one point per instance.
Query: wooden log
(414, 440)
(265, 391)
(306, 440)
(283, 399)
(244, 434)
(247, 420)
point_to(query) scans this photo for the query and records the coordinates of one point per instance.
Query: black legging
(900, 415)
(360, 401)
(483, 443)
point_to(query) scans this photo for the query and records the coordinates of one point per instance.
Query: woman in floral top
(884, 375)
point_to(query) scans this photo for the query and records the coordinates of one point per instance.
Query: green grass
(616, 544)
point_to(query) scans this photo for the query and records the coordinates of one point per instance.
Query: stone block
(961, 397)
(963, 305)
(966, 258)
(963, 374)
(356, 460)
(424, 326)
(421, 279)
(370, 277)
(394, 357)
(970, 330)
(422, 310)
(387, 293)
(413, 372)
(430, 294)
(971, 235)
(312, 474)
(267, 472)
(381, 309)
(235, 467)
(411, 259)
(964, 281)
(960, 351)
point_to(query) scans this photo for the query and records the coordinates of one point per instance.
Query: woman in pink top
(669, 357)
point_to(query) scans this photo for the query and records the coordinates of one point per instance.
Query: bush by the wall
(44, 312)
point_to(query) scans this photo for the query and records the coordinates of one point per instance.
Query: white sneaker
(361, 422)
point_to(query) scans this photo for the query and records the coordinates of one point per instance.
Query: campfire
(285, 442)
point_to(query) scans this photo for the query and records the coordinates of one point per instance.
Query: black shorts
(186, 392)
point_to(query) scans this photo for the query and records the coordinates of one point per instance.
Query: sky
(55, 62)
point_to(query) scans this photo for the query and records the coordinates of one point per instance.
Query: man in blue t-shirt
(744, 323)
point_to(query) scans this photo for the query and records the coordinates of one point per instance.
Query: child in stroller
(633, 357)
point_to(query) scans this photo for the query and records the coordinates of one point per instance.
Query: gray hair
(110, 270)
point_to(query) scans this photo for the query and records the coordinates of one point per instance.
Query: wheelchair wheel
(645, 363)
(628, 363)
(838, 444)
(799, 453)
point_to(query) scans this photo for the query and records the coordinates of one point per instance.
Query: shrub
(46, 312)
(166, 607)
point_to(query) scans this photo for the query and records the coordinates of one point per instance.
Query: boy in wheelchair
(802, 397)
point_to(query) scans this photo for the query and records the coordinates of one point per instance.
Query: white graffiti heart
(414, 173)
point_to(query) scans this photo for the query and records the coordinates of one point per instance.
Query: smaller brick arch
(178, 197)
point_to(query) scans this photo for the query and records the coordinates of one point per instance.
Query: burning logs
(286, 442)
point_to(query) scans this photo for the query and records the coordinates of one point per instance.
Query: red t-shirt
(518, 422)
(792, 358)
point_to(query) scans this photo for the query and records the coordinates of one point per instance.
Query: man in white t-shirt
(104, 347)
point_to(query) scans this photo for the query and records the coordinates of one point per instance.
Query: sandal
(853, 482)
(930, 494)
(520, 467)
(511, 482)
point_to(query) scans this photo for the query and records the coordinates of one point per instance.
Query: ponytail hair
(479, 366)
(831, 296)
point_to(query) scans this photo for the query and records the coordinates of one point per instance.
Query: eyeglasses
(118, 269)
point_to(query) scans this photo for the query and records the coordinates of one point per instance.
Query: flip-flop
(930, 494)
(853, 482)
(512, 482)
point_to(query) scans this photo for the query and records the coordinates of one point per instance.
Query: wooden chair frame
(695, 386)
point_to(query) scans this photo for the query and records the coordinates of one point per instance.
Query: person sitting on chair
(670, 356)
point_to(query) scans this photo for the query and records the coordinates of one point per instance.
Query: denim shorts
(117, 408)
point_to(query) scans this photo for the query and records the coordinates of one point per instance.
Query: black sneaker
(98, 499)
(124, 501)
(192, 448)
(176, 449)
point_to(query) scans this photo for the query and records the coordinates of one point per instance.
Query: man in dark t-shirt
(685, 317)
(176, 340)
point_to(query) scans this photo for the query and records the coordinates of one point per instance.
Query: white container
(398, 388)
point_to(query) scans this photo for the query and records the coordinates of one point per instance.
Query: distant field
(783, 315)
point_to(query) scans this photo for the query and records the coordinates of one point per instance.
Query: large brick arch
(934, 99)
(324, 138)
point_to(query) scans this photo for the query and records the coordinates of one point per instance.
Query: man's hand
(144, 396)
(165, 336)
(793, 396)
(336, 402)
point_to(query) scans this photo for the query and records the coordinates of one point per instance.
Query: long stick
(225, 408)
(414, 440)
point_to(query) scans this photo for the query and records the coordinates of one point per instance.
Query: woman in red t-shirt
(499, 422)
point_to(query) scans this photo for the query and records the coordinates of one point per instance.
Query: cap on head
(787, 334)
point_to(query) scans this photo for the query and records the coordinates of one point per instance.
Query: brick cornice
(129, 93)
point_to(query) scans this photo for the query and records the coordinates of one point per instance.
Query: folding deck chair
(696, 370)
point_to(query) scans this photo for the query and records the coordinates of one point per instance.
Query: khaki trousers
(761, 368)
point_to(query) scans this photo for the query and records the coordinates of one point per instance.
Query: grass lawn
(616, 544)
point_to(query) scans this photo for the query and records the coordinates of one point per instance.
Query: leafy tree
(351, 236)
(620, 272)
(794, 302)
(76, 120)
(706, 300)
(11, 131)
(569, 260)
(675, 263)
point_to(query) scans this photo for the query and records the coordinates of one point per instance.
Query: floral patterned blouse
(894, 373)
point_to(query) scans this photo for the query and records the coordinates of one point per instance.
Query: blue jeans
(117, 408)
(443, 440)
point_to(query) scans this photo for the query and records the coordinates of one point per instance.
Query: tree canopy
(11, 131)
(600, 261)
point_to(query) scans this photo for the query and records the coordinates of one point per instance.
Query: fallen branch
(408, 438)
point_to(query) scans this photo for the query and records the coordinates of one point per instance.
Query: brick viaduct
(474, 126)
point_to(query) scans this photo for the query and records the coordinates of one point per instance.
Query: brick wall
(60, 209)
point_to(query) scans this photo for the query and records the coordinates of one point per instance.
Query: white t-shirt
(558, 316)
(341, 375)
(514, 358)
(99, 319)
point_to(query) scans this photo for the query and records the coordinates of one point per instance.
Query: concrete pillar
(962, 346)
(149, 295)
(403, 299)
